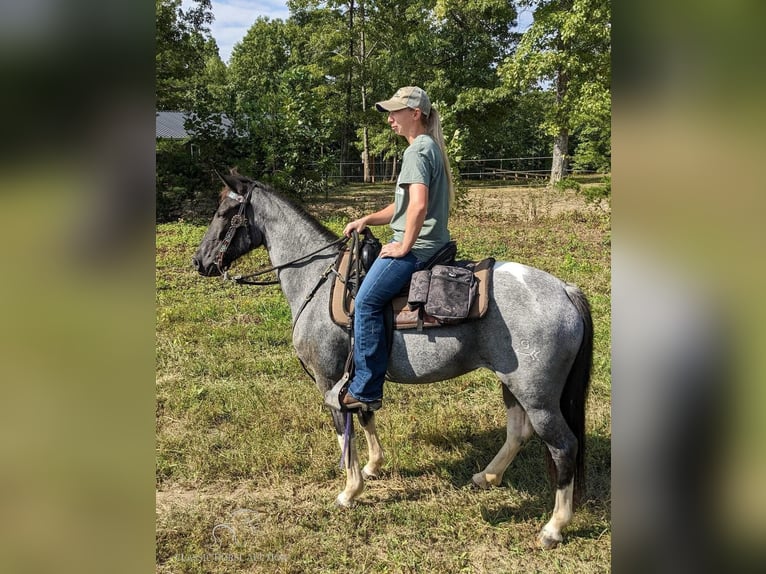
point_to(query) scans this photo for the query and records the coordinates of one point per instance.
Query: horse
(537, 337)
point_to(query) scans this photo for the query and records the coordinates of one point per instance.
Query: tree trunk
(368, 175)
(347, 127)
(561, 140)
(560, 145)
(366, 156)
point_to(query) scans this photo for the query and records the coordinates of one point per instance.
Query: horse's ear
(234, 182)
(222, 178)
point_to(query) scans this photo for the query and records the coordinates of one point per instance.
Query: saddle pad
(404, 318)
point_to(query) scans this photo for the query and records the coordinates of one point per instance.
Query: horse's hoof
(548, 542)
(366, 475)
(479, 481)
(343, 502)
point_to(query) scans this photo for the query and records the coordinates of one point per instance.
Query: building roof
(170, 125)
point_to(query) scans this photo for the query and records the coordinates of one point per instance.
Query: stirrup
(332, 397)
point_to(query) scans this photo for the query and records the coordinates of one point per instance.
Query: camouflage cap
(407, 97)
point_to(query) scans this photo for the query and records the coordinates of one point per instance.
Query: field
(247, 460)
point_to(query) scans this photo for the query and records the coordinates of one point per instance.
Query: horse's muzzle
(210, 270)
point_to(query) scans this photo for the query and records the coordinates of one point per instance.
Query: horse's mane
(292, 204)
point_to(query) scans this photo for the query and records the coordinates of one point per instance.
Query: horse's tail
(575, 393)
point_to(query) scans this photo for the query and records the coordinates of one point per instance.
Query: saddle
(406, 316)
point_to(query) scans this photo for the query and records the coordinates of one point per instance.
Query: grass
(247, 462)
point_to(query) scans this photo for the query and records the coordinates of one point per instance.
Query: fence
(512, 168)
(520, 169)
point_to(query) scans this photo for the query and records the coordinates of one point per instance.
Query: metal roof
(170, 125)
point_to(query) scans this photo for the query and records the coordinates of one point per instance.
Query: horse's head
(232, 233)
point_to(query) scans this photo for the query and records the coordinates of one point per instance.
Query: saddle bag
(444, 292)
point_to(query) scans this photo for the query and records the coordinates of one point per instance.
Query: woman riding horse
(418, 216)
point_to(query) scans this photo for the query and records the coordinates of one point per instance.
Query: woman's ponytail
(434, 129)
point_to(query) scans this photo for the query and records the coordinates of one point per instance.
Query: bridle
(239, 220)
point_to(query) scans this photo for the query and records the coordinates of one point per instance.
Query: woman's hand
(393, 250)
(357, 225)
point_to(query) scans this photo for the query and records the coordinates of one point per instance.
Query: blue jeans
(384, 281)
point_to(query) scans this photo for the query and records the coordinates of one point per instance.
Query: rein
(239, 220)
(245, 279)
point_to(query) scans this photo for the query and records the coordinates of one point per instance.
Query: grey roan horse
(537, 337)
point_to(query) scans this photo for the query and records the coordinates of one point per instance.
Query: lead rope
(346, 440)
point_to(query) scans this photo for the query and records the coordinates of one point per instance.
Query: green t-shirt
(423, 163)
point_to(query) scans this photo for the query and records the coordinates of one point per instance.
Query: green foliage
(185, 187)
(183, 46)
(567, 184)
(598, 194)
(301, 92)
(568, 47)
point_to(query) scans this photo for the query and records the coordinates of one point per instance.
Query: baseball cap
(407, 97)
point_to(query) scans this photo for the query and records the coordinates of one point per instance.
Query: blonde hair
(434, 129)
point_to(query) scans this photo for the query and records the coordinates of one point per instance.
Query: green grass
(247, 461)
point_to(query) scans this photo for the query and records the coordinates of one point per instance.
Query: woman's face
(401, 120)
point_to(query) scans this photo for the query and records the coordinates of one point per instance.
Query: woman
(418, 217)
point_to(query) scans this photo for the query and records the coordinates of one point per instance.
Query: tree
(288, 97)
(301, 90)
(448, 47)
(567, 47)
(472, 37)
(183, 43)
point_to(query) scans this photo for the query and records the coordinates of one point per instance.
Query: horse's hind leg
(518, 431)
(551, 427)
(354, 480)
(551, 534)
(374, 450)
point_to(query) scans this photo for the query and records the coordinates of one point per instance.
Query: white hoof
(370, 474)
(548, 540)
(342, 501)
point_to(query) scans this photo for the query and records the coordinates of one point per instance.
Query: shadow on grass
(526, 477)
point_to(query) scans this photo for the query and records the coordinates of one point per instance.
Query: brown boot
(352, 404)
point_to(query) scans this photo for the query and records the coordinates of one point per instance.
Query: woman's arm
(378, 218)
(416, 214)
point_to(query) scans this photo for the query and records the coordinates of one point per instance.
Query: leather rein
(240, 220)
(245, 279)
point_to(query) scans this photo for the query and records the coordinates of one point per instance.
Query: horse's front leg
(354, 479)
(374, 450)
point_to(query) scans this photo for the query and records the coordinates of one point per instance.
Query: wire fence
(511, 169)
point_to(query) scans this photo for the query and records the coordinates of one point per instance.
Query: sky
(233, 18)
